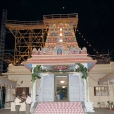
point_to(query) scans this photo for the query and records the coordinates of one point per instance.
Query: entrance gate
(75, 92)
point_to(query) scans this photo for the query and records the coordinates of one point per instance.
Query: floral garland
(35, 73)
(38, 69)
(83, 70)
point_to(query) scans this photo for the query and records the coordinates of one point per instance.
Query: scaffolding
(27, 36)
(2, 38)
(30, 34)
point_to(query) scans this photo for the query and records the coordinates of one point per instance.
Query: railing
(54, 16)
(3, 104)
(24, 22)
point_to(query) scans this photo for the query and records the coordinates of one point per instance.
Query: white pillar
(34, 92)
(85, 96)
(88, 104)
(88, 89)
(8, 96)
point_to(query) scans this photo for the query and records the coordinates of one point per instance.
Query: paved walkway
(97, 111)
(101, 111)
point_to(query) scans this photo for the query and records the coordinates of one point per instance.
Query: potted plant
(98, 103)
(110, 104)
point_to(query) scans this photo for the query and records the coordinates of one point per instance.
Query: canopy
(7, 82)
(108, 77)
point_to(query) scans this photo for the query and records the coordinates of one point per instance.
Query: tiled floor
(97, 111)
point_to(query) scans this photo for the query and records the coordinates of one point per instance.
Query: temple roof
(60, 60)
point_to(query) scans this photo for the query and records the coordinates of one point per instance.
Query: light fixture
(60, 29)
(61, 40)
(60, 34)
(62, 81)
(63, 86)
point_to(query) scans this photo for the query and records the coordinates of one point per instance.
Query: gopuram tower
(58, 57)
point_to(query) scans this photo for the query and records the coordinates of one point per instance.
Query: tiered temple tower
(59, 57)
(61, 37)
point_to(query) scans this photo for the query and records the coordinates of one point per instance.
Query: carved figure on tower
(34, 51)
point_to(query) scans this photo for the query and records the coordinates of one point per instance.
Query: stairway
(59, 108)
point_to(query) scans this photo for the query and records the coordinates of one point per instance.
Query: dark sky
(96, 18)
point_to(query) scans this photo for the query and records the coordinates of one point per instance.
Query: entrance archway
(61, 88)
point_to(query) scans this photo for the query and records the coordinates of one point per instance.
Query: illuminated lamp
(60, 34)
(60, 29)
(62, 81)
(63, 86)
(60, 40)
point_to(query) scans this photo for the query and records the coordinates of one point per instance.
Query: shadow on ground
(7, 111)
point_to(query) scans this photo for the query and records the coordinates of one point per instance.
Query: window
(22, 90)
(101, 91)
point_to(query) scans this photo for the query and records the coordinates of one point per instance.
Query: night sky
(96, 19)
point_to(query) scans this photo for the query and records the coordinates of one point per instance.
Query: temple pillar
(33, 89)
(88, 104)
(34, 92)
(85, 96)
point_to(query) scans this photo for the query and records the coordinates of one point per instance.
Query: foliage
(110, 103)
(98, 103)
(35, 73)
(83, 70)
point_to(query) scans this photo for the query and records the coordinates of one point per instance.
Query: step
(59, 108)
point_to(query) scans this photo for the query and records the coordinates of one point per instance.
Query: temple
(61, 85)
(58, 58)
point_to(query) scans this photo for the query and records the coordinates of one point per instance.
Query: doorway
(61, 88)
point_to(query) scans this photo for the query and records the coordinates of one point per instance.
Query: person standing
(58, 96)
(17, 104)
(28, 104)
(61, 95)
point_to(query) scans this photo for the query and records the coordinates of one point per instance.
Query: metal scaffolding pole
(2, 38)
